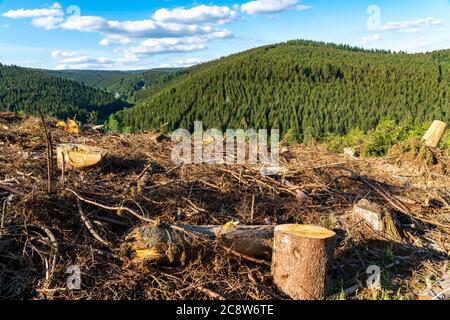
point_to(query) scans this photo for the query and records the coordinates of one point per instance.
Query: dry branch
(48, 142)
(90, 227)
(11, 189)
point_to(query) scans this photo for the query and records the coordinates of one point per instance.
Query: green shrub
(114, 124)
(292, 137)
(445, 142)
(335, 143)
(388, 133)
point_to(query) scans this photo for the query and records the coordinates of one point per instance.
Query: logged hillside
(130, 85)
(305, 87)
(29, 90)
(43, 235)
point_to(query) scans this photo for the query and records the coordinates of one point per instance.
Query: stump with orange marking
(302, 257)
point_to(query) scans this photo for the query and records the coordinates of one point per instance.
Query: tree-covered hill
(98, 79)
(130, 85)
(305, 87)
(30, 90)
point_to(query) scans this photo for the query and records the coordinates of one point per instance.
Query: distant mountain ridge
(127, 84)
(29, 90)
(305, 88)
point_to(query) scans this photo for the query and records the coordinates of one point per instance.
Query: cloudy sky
(142, 34)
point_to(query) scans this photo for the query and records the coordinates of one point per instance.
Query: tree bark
(183, 243)
(302, 257)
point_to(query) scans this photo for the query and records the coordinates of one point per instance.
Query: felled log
(434, 134)
(183, 243)
(302, 257)
(77, 156)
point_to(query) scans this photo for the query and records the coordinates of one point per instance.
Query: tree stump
(78, 156)
(302, 257)
(370, 213)
(434, 134)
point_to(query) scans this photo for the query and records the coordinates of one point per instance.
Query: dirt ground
(42, 235)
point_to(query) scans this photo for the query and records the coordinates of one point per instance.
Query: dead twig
(90, 227)
(210, 293)
(48, 141)
(55, 246)
(110, 208)
(12, 189)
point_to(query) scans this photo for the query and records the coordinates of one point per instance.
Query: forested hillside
(98, 79)
(130, 85)
(138, 86)
(304, 87)
(32, 90)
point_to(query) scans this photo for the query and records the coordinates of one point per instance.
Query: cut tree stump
(180, 244)
(77, 156)
(370, 213)
(302, 257)
(434, 134)
(349, 152)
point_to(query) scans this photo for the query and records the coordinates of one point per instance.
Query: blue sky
(142, 34)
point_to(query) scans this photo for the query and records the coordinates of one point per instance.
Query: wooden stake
(302, 257)
(434, 134)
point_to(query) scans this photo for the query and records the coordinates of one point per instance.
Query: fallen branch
(12, 190)
(48, 142)
(210, 293)
(90, 227)
(110, 208)
(55, 246)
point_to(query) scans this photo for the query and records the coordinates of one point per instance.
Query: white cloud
(178, 30)
(71, 60)
(48, 18)
(303, 7)
(182, 63)
(134, 29)
(198, 14)
(271, 6)
(84, 23)
(48, 23)
(59, 54)
(412, 30)
(175, 45)
(115, 39)
(167, 45)
(371, 38)
(54, 10)
(411, 24)
(118, 31)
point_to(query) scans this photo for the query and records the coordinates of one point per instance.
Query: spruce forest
(307, 87)
(30, 91)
